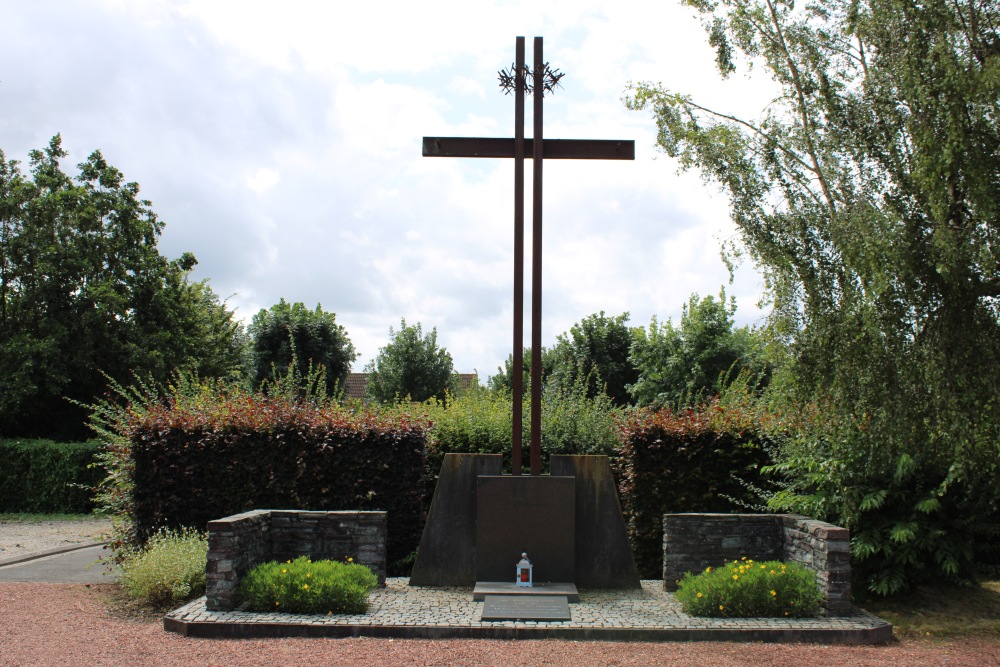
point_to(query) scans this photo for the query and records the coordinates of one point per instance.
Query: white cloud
(281, 144)
(263, 180)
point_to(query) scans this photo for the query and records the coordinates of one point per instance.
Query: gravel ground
(68, 624)
(65, 624)
(19, 538)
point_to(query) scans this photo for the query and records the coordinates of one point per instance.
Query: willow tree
(868, 194)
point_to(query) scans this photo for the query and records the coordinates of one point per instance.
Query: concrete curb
(35, 555)
(879, 634)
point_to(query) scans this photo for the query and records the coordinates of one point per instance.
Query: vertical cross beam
(517, 381)
(536, 265)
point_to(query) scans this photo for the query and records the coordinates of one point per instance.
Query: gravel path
(65, 624)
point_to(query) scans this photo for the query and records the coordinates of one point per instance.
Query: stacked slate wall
(237, 543)
(826, 550)
(693, 542)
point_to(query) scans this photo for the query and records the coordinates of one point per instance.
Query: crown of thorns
(509, 79)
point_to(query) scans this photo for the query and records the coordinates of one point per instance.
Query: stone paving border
(403, 611)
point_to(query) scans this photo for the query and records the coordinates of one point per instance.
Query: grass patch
(931, 611)
(31, 517)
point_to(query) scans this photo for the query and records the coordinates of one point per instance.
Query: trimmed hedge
(48, 477)
(195, 461)
(692, 461)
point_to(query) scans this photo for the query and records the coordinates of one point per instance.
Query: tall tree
(503, 381)
(869, 193)
(691, 361)
(85, 293)
(312, 337)
(411, 367)
(596, 350)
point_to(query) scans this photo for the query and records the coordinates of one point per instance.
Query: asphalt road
(79, 566)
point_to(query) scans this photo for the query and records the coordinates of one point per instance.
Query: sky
(280, 142)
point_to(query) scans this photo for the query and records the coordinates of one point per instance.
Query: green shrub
(914, 519)
(302, 586)
(748, 589)
(170, 568)
(43, 476)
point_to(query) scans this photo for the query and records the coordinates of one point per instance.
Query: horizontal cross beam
(552, 149)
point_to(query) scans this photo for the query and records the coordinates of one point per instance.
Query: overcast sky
(280, 142)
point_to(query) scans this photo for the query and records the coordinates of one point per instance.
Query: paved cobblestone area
(649, 614)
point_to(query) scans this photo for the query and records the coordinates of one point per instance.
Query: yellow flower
(284, 571)
(305, 587)
(350, 560)
(308, 575)
(329, 613)
(722, 608)
(699, 594)
(772, 571)
(744, 558)
(763, 567)
(774, 593)
(735, 577)
(288, 562)
(276, 603)
(708, 569)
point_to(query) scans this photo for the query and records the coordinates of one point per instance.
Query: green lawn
(943, 612)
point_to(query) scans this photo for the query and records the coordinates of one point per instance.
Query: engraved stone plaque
(526, 608)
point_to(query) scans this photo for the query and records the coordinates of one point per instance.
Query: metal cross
(538, 149)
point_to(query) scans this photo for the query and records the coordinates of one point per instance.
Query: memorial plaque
(532, 514)
(525, 608)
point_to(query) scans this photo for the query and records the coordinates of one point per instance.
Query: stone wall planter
(237, 543)
(692, 542)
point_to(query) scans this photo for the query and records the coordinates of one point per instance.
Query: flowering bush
(302, 586)
(748, 589)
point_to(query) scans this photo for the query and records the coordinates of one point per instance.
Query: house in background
(354, 388)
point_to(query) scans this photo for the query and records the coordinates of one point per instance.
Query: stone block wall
(826, 550)
(692, 542)
(237, 543)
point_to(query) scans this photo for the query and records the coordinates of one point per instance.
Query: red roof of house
(354, 387)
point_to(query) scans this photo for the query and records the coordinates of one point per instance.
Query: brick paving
(649, 614)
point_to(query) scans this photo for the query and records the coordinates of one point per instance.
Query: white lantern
(523, 572)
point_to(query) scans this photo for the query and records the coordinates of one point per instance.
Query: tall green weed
(479, 421)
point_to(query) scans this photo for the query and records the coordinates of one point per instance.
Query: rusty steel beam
(536, 268)
(517, 381)
(552, 149)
